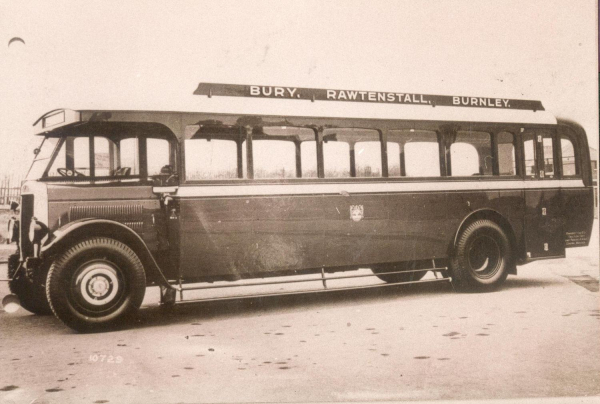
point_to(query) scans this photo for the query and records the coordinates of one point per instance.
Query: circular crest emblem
(357, 212)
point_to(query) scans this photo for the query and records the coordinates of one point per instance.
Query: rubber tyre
(31, 293)
(96, 285)
(482, 257)
(397, 278)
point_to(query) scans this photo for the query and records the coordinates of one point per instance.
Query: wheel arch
(78, 230)
(499, 219)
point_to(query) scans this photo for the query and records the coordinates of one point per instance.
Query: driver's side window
(73, 158)
(80, 155)
(111, 158)
(59, 163)
(128, 158)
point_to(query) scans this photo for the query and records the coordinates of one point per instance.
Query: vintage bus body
(111, 204)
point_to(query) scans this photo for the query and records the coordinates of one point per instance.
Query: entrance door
(544, 224)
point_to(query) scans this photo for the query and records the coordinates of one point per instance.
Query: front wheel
(482, 257)
(96, 284)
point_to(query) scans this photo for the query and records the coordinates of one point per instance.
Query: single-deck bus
(291, 181)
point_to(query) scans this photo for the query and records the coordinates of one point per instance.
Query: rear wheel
(482, 257)
(96, 284)
(31, 292)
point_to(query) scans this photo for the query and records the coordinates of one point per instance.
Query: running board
(301, 292)
(322, 279)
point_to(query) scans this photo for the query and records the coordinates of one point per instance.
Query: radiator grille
(26, 215)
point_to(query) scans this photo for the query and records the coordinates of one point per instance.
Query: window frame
(297, 146)
(402, 161)
(576, 155)
(443, 130)
(246, 134)
(242, 136)
(141, 150)
(548, 134)
(496, 154)
(536, 176)
(239, 160)
(492, 151)
(352, 156)
(447, 137)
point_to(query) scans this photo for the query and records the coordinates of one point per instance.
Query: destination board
(383, 97)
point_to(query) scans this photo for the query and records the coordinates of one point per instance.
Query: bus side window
(352, 152)
(548, 144)
(81, 155)
(273, 158)
(211, 159)
(569, 162)
(529, 150)
(308, 153)
(471, 154)
(368, 156)
(284, 152)
(128, 156)
(104, 157)
(507, 164)
(413, 153)
(336, 160)
(158, 155)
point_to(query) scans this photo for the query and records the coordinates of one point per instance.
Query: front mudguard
(72, 232)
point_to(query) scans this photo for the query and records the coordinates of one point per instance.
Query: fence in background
(10, 189)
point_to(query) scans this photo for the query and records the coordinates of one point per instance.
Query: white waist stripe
(309, 188)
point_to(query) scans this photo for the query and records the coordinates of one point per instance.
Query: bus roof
(305, 102)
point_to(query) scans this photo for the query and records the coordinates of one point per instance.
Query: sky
(153, 54)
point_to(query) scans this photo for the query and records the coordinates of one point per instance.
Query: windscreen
(42, 158)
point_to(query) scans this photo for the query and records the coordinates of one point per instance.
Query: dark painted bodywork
(226, 238)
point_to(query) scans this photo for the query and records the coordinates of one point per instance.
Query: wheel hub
(484, 256)
(98, 286)
(97, 283)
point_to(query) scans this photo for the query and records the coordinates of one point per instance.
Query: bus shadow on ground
(249, 306)
(523, 283)
(155, 316)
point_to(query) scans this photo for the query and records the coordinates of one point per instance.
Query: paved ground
(536, 337)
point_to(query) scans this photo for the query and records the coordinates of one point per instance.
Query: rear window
(569, 163)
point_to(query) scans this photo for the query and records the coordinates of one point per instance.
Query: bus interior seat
(122, 172)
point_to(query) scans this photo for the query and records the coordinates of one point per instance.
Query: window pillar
(320, 162)
(249, 161)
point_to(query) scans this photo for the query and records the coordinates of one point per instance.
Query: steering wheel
(65, 172)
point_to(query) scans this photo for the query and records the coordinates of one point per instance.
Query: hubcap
(97, 283)
(484, 256)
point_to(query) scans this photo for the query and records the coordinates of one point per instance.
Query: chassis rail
(180, 288)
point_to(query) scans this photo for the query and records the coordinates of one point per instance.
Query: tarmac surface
(536, 337)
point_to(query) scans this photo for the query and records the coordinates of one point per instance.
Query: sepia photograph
(299, 201)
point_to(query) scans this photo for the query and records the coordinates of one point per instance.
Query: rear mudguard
(502, 221)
